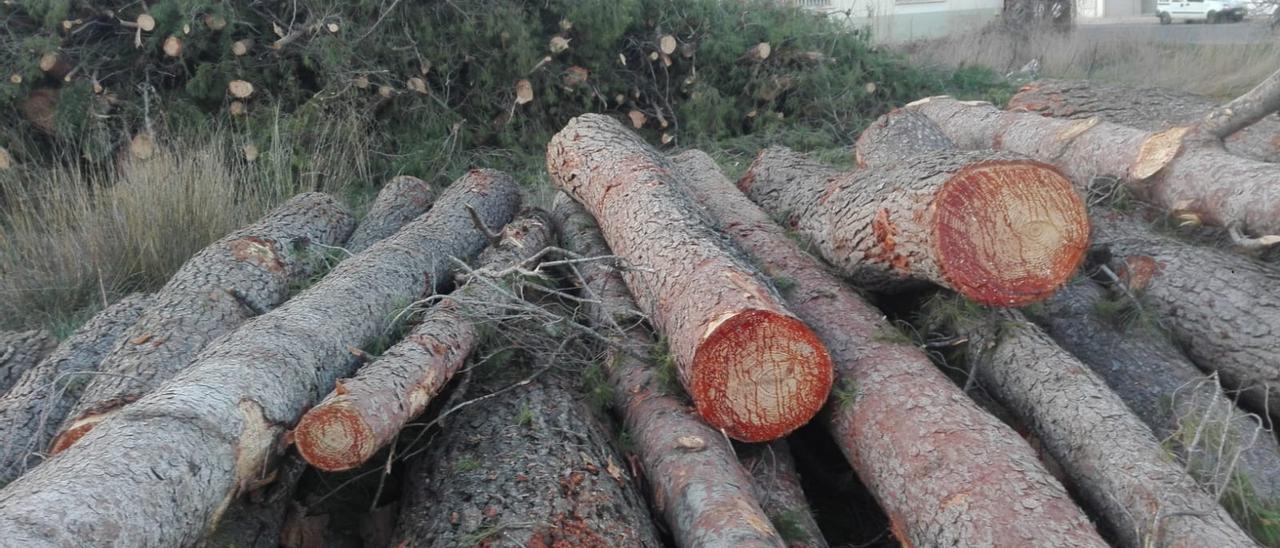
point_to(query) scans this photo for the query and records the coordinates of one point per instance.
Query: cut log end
(334, 437)
(1009, 232)
(759, 375)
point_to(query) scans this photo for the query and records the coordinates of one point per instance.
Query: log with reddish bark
(1120, 468)
(776, 484)
(1192, 178)
(891, 136)
(1147, 109)
(1220, 444)
(235, 278)
(1221, 306)
(694, 480)
(20, 351)
(401, 200)
(366, 412)
(752, 368)
(34, 407)
(997, 228)
(946, 473)
(163, 470)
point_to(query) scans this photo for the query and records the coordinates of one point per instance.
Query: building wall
(905, 20)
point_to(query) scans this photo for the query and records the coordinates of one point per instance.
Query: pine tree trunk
(20, 351)
(1220, 443)
(777, 486)
(1118, 465)
(1221, 306)
(694, 480)
(1147, 109)
(162, 471)
(236, 278)
(401, 200)
(995, 227)
(34, 407)
(364, 413)
(1218, 187)
(946, 473)
(752, 368)
(888, 139)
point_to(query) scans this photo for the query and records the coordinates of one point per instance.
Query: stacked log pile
(626, 369)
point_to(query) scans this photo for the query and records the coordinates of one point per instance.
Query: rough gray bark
(897, 135)
(1147, 109)
(235, 278)
(366, 412)
(528, 467)
(401, 200)
(777, 485)
(694, 480)
(1222, 307)
(750, 366)
(1217, 187)
(945, 472)
(163, 470)
(1219, 443)
(1119, 466)
(997, 228)
(32, 410)
(20, 351)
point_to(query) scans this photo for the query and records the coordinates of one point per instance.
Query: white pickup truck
(1211, 11)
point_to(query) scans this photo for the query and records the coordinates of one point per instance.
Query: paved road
(1251, 30)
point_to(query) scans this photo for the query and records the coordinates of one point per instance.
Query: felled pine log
(1183, 170)
(1222, 306)
(946, 473)
(366, 412)
(751, 367)
(777, 485)
(162, 471)
(891, 136)
(998, 228)
(528, 463)
(1144, 108)
(1113, 459)
(34, 407)
(694, 479)
(232, 280)
(1225, 449)
(401, 200)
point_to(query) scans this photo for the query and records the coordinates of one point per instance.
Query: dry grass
(1216, 70)
(73, 238)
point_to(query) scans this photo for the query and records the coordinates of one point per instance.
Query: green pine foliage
(823, 82)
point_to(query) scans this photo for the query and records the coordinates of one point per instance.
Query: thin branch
(493, 237)
(1244, 110)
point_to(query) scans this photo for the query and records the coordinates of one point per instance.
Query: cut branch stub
(999, 229)
(364, 413)
(750, 366)
(240, 89)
